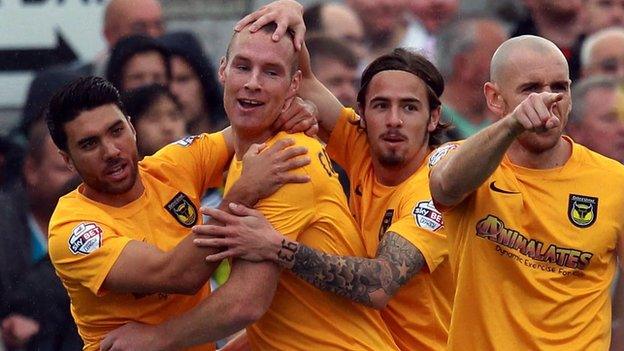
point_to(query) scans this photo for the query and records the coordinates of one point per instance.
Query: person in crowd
(429, 18)
(602, 14)
(194, 83)
(121, 18)
(596, 120)
(31, 294)
(338, 21)
(385, 24)
(466, 47)
(531, 213)
(560, 21)
(136, 61)
(336, 66)
(156, 116)
(603, 53)
(259, 76)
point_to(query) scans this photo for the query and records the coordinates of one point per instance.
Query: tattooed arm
(371, 281)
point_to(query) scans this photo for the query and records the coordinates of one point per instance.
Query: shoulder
(593, 161)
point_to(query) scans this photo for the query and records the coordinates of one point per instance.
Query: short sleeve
(85, 252)
(432, 244)
(348, 145)
(202, 159)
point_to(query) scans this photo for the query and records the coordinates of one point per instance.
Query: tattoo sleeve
(355, 278)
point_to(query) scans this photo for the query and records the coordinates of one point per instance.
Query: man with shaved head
(532, 220)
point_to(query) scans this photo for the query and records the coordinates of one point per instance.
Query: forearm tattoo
(356, 278)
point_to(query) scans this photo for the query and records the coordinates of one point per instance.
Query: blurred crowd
(170, 89)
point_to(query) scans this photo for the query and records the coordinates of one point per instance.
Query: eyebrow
(92, 137)
(405, 99)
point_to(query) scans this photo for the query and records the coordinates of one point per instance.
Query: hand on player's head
(288, 14)
(538, 112)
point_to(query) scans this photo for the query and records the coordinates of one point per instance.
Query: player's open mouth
(249, 104)
(117, 172)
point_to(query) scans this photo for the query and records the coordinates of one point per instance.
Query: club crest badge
(85, 238)
(582, 210)
(427, 216)
(182, 209)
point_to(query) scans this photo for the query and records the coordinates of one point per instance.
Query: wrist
(285, 255)
(242, 194)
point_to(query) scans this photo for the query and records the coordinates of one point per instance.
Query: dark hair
(83, 94)
(312, 18)
(138, 101)
(126, 49)
(323, 46)
(186, 46)
(269, 28)
(401, 59)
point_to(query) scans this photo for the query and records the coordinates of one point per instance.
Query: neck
(563, 34)
(116, 200)
(552, 158)
(242, 141)
(393, 176)
(467, 102)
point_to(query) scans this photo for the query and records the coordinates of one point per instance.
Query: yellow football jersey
(419, 314)
(301, 316)
(533, 252)
(87, 237)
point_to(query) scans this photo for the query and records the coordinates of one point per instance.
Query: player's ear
(494, 99)
(434, 119)
(221, 72)
(67, 159)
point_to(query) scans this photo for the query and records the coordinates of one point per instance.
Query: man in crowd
(260, 75)
(338, 21)
(596, 118)
(530, 213)
(109, 236)
(336, 66)
(603, 53)
(465, 49)
(28, 285)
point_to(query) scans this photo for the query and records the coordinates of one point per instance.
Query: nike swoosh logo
(499, 190)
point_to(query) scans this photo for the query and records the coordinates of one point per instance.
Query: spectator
(603, 53)
(558, 21)
(194, 83)
(336, 66)
(466, 48)
(602, 14)
(121, 18)
(28, 285)
(136, 61)
(337, 21)
(157, 117)
(595, 120)
(384, 22)
(430, 16)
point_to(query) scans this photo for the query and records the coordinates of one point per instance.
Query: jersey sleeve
(431, 243)
(438, 154)
(348, 145)
(200, 158)
(85, 252)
